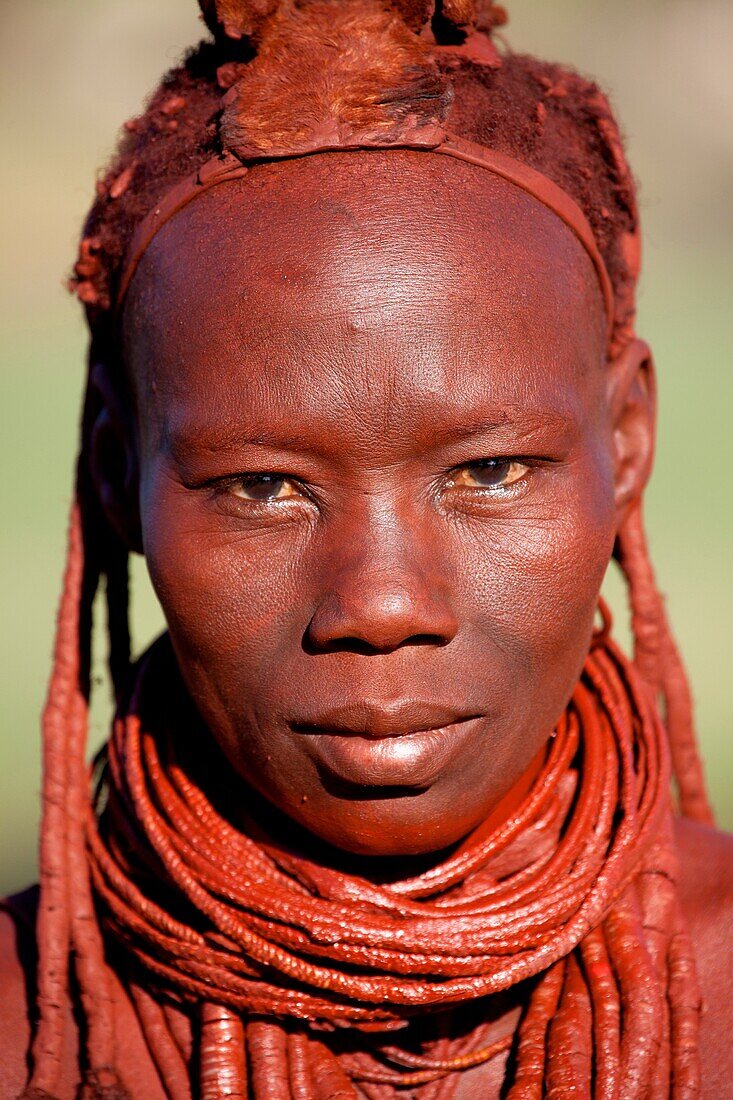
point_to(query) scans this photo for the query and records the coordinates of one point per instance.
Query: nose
(381, 594)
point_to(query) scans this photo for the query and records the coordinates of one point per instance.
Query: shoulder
(17, 995)
(706, 888)
(17, 964)
(706, 863)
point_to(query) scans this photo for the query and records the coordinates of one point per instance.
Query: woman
(386, 812)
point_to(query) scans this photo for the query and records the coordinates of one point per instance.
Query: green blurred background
(71, 71)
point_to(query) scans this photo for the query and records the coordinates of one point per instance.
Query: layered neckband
(304, 972)
(224, 169)
(474, 925)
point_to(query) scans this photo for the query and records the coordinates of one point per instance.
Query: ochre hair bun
(332, 74)
(237, 19)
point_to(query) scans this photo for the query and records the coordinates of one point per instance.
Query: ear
(113, 455)
(633, 405)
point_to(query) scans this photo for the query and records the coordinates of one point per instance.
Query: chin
(388, 825)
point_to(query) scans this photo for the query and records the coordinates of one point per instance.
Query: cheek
(230, 597)
(234, 618)
(538, 573)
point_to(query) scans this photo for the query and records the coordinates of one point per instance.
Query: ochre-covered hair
(371, 67)
(543, 114)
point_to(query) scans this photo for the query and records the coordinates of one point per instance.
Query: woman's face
(376, 483)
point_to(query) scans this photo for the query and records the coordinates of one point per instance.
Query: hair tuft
(326, 75)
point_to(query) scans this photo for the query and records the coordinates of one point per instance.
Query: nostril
(371, 621)
(428, 639)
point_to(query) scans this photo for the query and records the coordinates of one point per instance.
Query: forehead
(362, 270)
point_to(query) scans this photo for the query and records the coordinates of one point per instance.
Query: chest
(486, 1081)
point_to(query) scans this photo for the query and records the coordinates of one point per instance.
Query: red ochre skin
(368, 330)
(378, 322)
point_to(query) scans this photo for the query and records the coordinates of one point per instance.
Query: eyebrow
(527, 421)
(217, 439)
(213, 438)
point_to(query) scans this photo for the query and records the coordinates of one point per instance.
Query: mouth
(404, 745)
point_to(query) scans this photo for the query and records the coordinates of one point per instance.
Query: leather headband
(220, 170)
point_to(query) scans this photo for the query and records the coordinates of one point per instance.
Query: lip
(407, 745)
(380, 720)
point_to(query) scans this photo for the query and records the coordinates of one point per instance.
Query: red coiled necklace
(306, 979)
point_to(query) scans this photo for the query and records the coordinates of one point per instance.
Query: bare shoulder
(706, 886)
(17, 994)
(14, 998)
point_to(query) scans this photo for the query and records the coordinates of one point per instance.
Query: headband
(221, 169)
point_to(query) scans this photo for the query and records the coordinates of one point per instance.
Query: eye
(492, 474)
(265, 488)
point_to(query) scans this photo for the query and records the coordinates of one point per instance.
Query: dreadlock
(613, 963)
